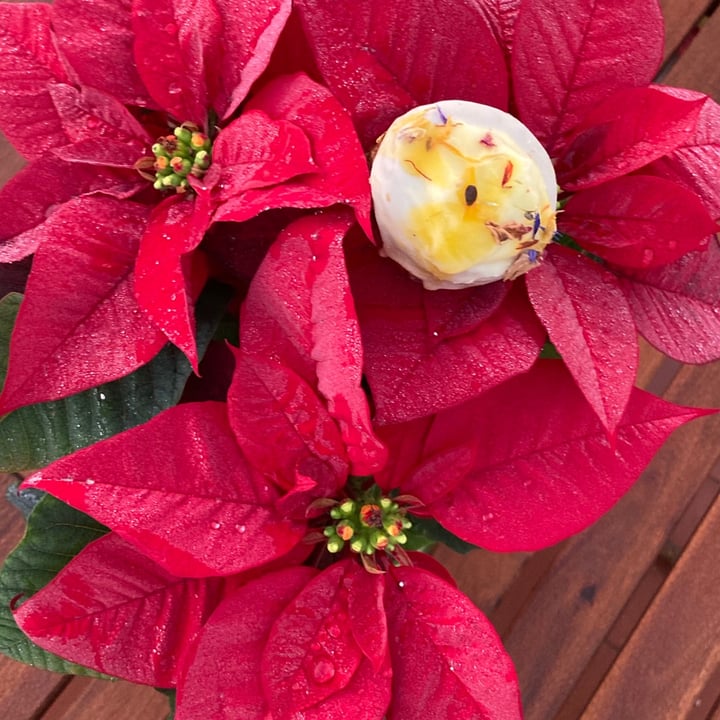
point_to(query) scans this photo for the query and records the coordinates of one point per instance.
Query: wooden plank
(676, 648)
(699, 67)
(10, 160)
(595, 573)
(680, 17)
(25, 690)
(86, 699)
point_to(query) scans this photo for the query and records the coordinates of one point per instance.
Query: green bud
(347, 507)
(202, 160)
(358, 545)
(171, 181)
(335, 545)
(183, 135)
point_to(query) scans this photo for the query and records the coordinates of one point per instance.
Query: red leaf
(223, 679)
(89, 114)
(405, 443)
(420, 464)
(366, 613)
(341, 175)
(282, 426)
(451, 313)
(96, 38)
(413, 372)
(179, 489)
(79, 325)
(40, 189)
(380, 60)
(300, 311)
(254, 152)
(588, 320)
(448, 661)
(312, 658)
(167, 278)
(250, 31)
(178, 52)
(368, 692)
(630, 129)
(638, 221)
(29, 64)
(114, 610)
(677, 307)
(502, 15)
(695, 163)
(550, 470)
(567, 60)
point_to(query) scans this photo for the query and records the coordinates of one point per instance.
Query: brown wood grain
(675, 649)
(680, 17)
(10, 160)
(86, 699)
(698, 68)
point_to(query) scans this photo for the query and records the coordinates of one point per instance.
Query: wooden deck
(619, 623)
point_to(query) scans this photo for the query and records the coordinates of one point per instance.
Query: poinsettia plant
(279, 401)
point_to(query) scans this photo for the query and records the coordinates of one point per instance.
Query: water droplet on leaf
(334, 631)
(323, 671)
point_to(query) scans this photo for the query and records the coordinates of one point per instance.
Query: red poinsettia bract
(637, 166)
(97, 94)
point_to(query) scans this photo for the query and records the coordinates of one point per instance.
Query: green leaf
(55, 534)
(435, 532)
(34, 436)
(550, 352)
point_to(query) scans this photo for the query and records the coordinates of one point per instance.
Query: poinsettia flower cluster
(255, 560)
(96, 96)
(207, 582)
